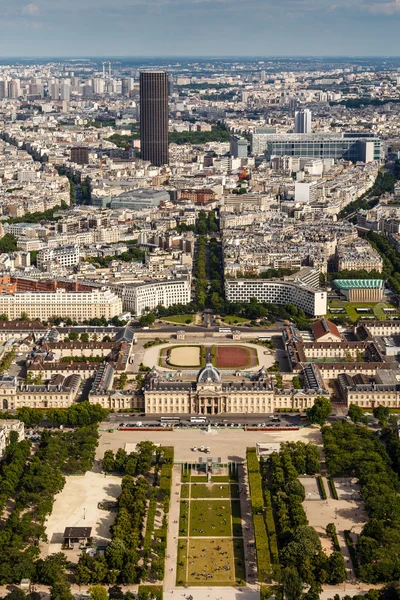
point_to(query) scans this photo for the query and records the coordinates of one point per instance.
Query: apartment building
(64, 256)
(312, 301)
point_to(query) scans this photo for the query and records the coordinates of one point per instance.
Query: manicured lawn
(181, 563)
(210, 518)
(236, 518)
(220, 478)
(211, 562)
(180, 319)
(199, 479)
(185, 490)
(210, 491)
(240, 566)
(183, 519)
(232, 320)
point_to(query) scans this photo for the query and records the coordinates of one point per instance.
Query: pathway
(173, 531)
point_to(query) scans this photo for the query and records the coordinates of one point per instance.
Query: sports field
(210, 544)
(235, 357)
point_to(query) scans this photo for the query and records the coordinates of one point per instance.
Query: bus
(225, 330)
(173, 420)
(198, 419)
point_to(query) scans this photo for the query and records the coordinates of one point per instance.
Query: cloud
(30, 9)
(384, 8)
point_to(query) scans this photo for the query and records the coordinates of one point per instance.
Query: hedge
(271, 529)
(352, 552)
(321, 487)
(150, 592)
(167, 466)
(253, 469)
(257, 506)
(332, 487)
(331, 531)
(262, 548)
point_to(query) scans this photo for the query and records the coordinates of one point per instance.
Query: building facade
(79, 306)
(210, 395)
(302, 121)
(312, 301)
(353, 147)
(137, 298)
(154, 117)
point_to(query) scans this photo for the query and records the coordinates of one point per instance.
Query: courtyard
(77, 505)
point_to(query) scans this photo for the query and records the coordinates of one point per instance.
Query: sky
(134, 28)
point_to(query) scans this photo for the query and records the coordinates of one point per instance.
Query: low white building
(138, 298)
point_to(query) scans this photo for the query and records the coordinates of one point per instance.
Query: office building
(348, 146)
(238, 146)
(78, 306)
(302, 121)
(66, 91)
(80, 155)
(126, 85)
(140, 199)
(154, 117)
(276, 291)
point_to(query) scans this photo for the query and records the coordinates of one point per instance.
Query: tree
(355, 413)
(24, 316)
(84, 337)
(291, 584)
(73, 336)
(382, 414)
(115, 554)
(115, 592)
(320, 412)
(108, 463)
(51, 570)
(61, 591)
(3, 317)
(98, 592)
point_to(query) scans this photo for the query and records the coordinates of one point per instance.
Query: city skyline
(291, 28)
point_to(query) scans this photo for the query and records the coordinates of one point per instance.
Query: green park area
(180, 319)
(210, 545)
(234, 320)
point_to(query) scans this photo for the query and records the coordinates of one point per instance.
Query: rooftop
(349, 284)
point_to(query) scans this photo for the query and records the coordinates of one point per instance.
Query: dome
(209, 374)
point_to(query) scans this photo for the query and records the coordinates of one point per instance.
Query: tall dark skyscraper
(154, 117)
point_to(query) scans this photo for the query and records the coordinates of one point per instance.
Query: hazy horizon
(200, 28)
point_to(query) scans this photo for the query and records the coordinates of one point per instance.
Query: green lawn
(181, 563)
(210, 518)
(185, 490)
(236, 518)
(211, 562)
(183, 519)
(240, 565)
(210, 491)
(199, 479)
(233, 320)
(179, 319)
